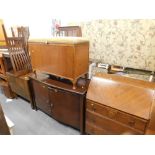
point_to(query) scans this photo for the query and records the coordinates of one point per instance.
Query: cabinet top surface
(59, 83)
(129, 95)
(60, 40)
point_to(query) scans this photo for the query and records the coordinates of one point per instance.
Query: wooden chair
(19, 58)
(22, 32)
(74, 31)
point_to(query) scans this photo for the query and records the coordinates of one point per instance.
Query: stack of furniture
(4, 65)
(120, 105)
(18, 77)
(17, 63)
(59, 85)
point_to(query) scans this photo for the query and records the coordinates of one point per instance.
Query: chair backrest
(22, 32)
(74, 31)
(19, 58)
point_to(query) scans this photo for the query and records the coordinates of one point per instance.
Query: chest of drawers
(119, 105)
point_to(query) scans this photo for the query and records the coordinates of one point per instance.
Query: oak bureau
(120, 105)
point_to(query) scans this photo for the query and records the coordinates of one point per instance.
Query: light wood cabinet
(63, 57)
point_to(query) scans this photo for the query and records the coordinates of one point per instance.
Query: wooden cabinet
(41, 93)
(57, 98)
(119, 105)
(20, 86)
(65, 106)
(63, 57)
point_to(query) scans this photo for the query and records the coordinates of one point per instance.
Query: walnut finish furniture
(63, 57)
(120, 105)
(20, 85)
(4, 129)
(57, 98)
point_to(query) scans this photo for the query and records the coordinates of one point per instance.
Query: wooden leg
(86, 76)
(74, 84)
(35, 73)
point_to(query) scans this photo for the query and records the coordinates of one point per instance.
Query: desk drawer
(99, 124)
(95, 130)
(118, 116)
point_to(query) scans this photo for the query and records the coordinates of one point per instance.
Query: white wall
(38, 14)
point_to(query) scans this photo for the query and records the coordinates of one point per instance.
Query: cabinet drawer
(116, 115)
(95, 130)
(108, 125)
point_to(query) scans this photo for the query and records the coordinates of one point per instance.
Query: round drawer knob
(132, 123)
(112, 114)
(93, 108)
(52, 105)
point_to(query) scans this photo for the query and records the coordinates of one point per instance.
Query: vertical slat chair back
(19, 58)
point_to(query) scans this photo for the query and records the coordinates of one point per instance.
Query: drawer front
(116, 115)
(19, 86)
(95, 130)
(104, 125)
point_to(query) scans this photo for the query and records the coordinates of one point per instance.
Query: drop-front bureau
(120, 105)
(66, 57)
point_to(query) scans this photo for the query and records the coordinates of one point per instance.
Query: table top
(60, 40)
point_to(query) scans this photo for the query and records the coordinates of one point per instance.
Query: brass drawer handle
(43, 86)
(112, 114)
(92, 104)
(132, 123)
(53, 89)
(52, 105)
(93, 108)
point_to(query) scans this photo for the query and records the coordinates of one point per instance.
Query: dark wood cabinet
(42, 97)
(65, 106)
(57, 98)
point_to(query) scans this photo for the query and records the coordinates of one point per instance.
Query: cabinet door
(41, 97)
(19, 86)
(65, 107)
